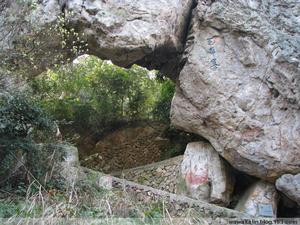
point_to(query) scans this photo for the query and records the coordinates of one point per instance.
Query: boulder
(30, 39)
(55, 161)
(36, 36)
(289, 185)
(204, 176)
(260, 200)
(239, 80)
(239, 87)
(126, 32)
(69, 172)
(68, 167)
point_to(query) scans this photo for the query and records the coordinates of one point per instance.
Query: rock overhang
(239, 66)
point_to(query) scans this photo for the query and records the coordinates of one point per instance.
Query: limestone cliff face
(239, 80)
(240, 85)
(150, 33)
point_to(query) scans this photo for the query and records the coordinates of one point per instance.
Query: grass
(84, 201)
(91, 207)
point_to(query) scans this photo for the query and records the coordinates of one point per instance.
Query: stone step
(161, 175)
(178, 205)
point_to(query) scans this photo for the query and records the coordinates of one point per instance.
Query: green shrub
(162, 107)
(21, 117)
(95, 94)
(22, 124)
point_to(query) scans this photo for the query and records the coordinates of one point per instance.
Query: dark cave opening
(286, 208)
(242, 182)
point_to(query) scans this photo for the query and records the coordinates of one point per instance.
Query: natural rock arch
(239, 66)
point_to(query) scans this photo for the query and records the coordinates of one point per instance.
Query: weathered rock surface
(289, 185)
(29, 42)
(260, 200)
(204, 176)
(150, 33)
(70, 173)
(240, 85)
(68, 167)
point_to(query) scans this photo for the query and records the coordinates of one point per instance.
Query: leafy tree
(96, 94)
(162, 108)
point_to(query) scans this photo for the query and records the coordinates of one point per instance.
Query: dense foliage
(90, 94)
(23, 124)
(163, 104)
(96, 94)
(20, 117)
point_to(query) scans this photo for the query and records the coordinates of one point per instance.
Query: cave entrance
(118, 118)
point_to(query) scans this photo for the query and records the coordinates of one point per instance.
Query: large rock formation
(147, 32)
(29, 42)
(204, 175)
(240, 85)
(150, 33)
(70, 174)
(290, 186)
